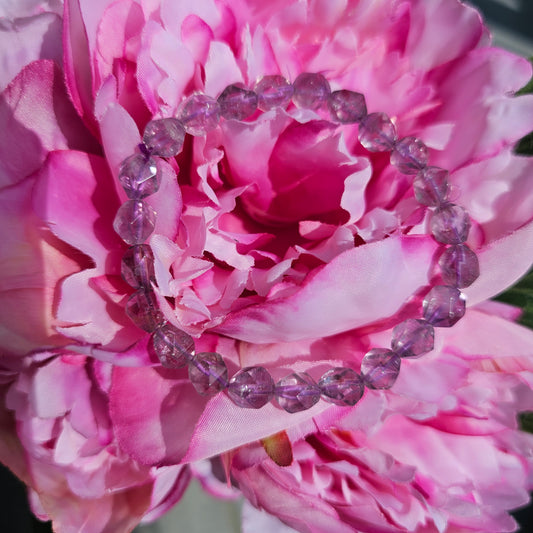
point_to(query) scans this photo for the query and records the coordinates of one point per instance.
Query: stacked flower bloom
(279, 241)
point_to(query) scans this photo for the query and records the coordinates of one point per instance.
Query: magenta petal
(76, 62)
(39, 117)
(346, 293)
(65, 185)
(153, 413)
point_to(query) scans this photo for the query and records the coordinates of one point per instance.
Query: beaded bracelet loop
(253, 387)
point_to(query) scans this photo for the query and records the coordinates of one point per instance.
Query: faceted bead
(137, 267)
(143, 310)
(377, 133)
(237, 103)
(273, 91)
(251, 387)
(412, 337)
(164, 137)
(342, 386)
(409, 155)
(346, 106)
(450, 224)
(444, 306)
(208, 373)
(199, 114)
(174, 347)
(311, 90)
(380, 368)
(139, 176)
(431, 186)
(134, 221)
(297, 392)
(459, 265)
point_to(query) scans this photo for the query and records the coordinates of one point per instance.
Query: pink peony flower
(279, 241)
(67, 452)
(421, 459)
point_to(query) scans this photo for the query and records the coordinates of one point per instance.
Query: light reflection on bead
(143, 311)
(380, 368)
(273, 91)
(297, 392)
(347, 107)
(208, 373)
(252, 387)
(164, 137)
(450, 224)
(237, 103)
(444, 306)
(137, 266)
(409, 155)
(173, 347)
(412, 337)
(342, 386)
(459, 266)
(311, 90)
(139, 176)
(199, 114)
(377, 133)
(431, 186)
(134, 221)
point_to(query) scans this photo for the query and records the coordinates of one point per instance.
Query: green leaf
(525, 145)
(526, 421)
(521, 295)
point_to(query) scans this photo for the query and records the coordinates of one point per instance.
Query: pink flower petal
(345, 294)
(496, 276)
(154, 428)
(36, 111)
(64, 183)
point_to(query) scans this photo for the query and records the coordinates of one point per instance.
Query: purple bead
(134, 221)
(459, 265)
(342, 386)
(139, 176)
(273, 91)
(431, 186)
(409, 155)
(444, 306)
(208, 373)
(251, 387)
(174, 347)
(450, 224)
(142, 309)
(412, 337)
(311, 90)
(380, 368)
(237, 103)
(377, 133)
(346, 106)
(199, 114)
(297, 392)
(137, 267)
(164, 137)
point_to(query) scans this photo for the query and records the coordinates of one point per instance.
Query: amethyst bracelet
(253, 387)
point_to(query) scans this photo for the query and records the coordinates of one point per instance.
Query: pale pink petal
(24, 40)
(497, 276)
(343, 295)
(440, 32)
